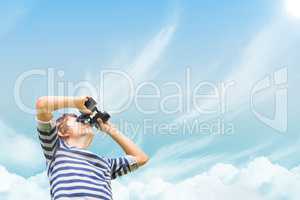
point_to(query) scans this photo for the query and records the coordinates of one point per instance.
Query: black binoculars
(94, 116)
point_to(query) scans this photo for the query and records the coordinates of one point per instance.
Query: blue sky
(157, 41)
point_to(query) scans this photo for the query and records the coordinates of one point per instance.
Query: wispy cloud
(13, 12)
(179, 149)
(142, 68)
(285, 152)
(261, 54)
(251, 152)
(181, 158)
(187, 157)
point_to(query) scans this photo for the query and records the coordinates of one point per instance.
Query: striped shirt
(76, 173)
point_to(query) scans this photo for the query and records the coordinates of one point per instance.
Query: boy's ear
(63, 135)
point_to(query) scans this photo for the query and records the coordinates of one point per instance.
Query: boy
(73, 171)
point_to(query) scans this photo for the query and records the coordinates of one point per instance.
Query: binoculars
(94, 116)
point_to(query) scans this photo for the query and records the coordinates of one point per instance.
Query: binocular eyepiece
(94, 116)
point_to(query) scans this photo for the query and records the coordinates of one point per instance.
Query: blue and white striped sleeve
(48, 138)
(122, 165)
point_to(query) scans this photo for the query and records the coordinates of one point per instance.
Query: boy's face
(77, 130)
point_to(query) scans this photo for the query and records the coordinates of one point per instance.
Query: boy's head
(70, 129)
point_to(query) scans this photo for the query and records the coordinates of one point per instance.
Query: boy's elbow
(41, 103)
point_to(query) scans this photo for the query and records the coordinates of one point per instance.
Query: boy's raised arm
(47, 104)
(126, 144)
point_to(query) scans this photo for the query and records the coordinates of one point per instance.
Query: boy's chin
(90, 135)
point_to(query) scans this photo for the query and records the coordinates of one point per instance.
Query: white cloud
(18, 150)
(260, 179)
(15, 187)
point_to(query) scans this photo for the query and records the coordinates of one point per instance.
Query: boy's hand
(79, 103)
(106, 127)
